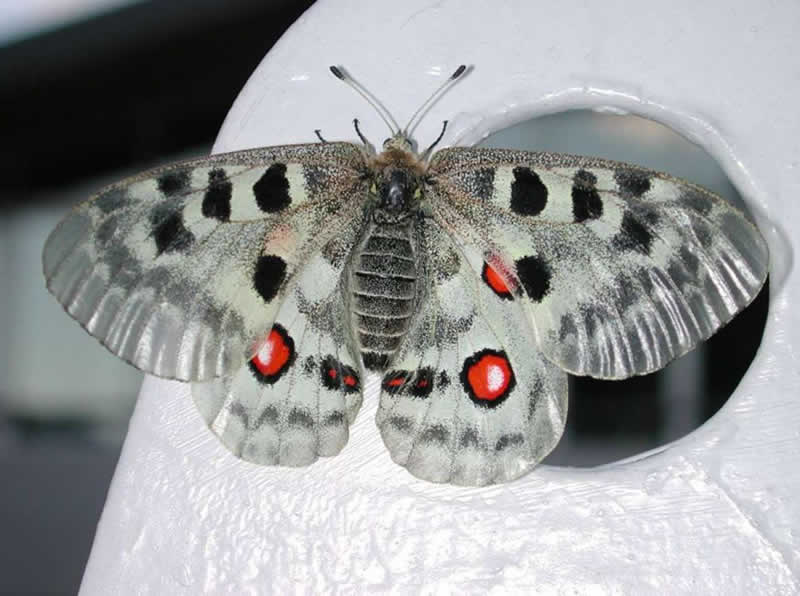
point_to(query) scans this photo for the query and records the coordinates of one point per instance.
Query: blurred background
(93, 90)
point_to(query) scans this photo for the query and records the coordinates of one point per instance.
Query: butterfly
(472, 280)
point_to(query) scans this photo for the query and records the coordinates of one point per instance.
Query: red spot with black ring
(488, 378)
(274, 356)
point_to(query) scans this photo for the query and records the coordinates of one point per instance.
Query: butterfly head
(397, 176)
(399, 142)
(401, 137)
(398, 190)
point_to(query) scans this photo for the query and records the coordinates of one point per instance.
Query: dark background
(87, 102)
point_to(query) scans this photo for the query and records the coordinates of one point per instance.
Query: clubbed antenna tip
(432, 99)
(371, 100)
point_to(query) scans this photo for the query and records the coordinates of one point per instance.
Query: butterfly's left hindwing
(182, 269)
(295, 399)
(469, 398)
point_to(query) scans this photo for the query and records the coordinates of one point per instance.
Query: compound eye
(386, 142)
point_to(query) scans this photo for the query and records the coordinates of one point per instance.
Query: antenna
(371, 100)
(434, 96)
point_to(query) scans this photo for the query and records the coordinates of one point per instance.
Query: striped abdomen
(382, 290)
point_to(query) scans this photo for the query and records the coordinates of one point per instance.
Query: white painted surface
(715, 513)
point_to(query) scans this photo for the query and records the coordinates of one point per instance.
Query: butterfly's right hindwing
(295, 399)
(181, 270)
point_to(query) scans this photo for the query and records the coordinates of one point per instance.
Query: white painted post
(714, 513)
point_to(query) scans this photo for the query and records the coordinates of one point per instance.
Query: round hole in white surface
(611, 420)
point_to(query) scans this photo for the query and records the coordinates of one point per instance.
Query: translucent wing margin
(181, 269)
(621, 268)
(469, 399)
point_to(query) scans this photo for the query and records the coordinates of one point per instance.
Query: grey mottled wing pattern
(180, 270)
(620, 268)
(294, 401)
(469, 398)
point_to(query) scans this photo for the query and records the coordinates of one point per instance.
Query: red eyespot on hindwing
(418, 383)
(487, 377)
(394, 381)
(423, 382)
(492, 279)
(338, 376)
(274, 356)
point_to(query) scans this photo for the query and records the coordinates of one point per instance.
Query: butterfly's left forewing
(181, 270)
(620, 268)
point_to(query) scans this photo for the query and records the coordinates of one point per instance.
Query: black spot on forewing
(633, 235)
(174, 183)
(631, 182)
(268, 276)
(535, 274)
(586, 202)
(171, 235)
(584, 179)
(528, 193)
(272, 189)
(217, 198)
